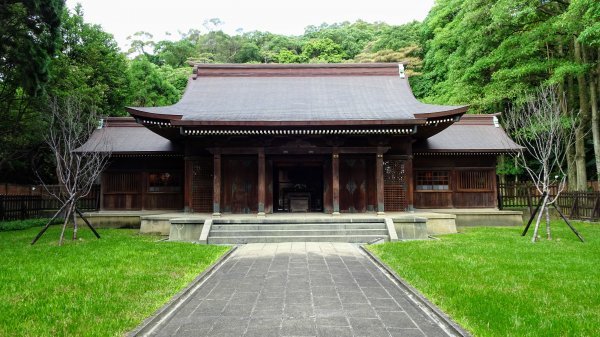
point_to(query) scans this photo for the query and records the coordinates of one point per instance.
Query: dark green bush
(23, 224)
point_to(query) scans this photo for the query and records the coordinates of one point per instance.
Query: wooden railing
(575, 205)
(20, 207)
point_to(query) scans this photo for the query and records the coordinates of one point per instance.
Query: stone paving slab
(299, 289)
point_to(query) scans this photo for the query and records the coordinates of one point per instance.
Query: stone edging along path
(429, 308)
(190, 301)
(157, 319)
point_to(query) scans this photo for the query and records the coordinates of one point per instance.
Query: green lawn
(91, 287)
(494, 282)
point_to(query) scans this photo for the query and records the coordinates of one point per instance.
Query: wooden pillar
(410, 181)
(217, 185)
(144, 189)
(379, 182)
(187, 185)
(102, 189)
(335, 181)
(261, 182)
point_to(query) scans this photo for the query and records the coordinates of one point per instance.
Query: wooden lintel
(300, 150)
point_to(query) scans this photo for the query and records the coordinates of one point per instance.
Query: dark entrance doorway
(298, 186)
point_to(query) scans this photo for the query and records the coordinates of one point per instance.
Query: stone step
(291, 226)
(308, 238)
(297, 220)
(297, 232)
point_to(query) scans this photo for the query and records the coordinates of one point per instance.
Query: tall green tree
(491, 54)
(89, 65)
(323, 50)
(29, 34)
(149, 86)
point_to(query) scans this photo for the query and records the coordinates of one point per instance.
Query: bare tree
(546, 133)
(70, 125)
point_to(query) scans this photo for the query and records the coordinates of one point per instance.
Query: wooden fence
(575, 205)
(20, 207)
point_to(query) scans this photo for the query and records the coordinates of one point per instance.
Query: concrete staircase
(240, 231)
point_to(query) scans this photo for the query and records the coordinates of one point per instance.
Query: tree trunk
(595, 123)
(64, 227)
(548, 234)
(539, 219)
(74, 224)
(501, 163)
(571, 170)
(583, 124)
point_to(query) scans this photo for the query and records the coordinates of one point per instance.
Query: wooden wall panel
(202, 185)
(354, 183)
(126, 184)
(122, 190)
(472, 182)
(239, 192)
(433, 200)
(327, 191)
(172, 201)
(371, 184)
(394, 188)
(474, 199)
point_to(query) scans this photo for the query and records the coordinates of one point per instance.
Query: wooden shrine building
(300, 138)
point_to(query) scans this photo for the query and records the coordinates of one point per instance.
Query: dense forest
(490, 54)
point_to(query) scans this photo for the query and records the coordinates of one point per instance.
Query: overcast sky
(125, 17)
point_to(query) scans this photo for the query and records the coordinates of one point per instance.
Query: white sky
(125, 17)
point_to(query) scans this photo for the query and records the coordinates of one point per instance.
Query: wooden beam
(335, 186)
(261, 182)
(217, 185)
(187, 185)
(379, 182)
(300, 150)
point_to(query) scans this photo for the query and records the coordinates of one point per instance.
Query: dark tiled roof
(473, 133)
(123, 135)
(276, 93)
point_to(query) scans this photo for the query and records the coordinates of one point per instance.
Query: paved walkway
(299, 289)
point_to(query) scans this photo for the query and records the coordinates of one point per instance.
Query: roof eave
(417, 121)
(445, 151)
(139, 113)
(446, 113)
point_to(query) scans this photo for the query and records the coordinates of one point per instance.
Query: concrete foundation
(161, 223)
(485, 217)
(185, 229)
(410, 227)
(116, 219)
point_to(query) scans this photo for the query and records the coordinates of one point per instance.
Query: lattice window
(475, 180)
(122, 182)
(202, 185)
(394, 182)
(432, 180)
(165, 182)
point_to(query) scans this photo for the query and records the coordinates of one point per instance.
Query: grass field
(91, 287)
(494, 282)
